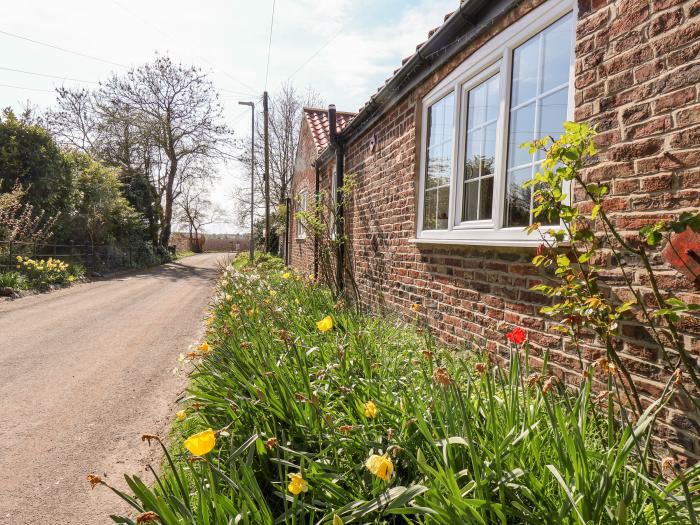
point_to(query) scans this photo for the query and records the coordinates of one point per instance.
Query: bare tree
(178, 109)
(195, 211)
(161, 121)
(285, 114)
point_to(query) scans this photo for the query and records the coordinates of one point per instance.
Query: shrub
(14, 280)
(321, 414)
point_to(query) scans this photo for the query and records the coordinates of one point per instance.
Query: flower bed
(304, 411)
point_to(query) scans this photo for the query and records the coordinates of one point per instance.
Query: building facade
(438, 213)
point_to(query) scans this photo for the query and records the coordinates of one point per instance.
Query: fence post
(11, 260)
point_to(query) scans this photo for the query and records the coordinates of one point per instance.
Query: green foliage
(101, 212)
(577, 251)
(14, 280)
(30, 156)
(470, 442)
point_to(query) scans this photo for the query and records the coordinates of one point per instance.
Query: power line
(169, 36)
(26, 88)
(59, 48)
(269, 43)
(318, 51)
(47, 75)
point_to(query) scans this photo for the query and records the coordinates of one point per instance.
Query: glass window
(513, 89)
(539, 101)
(301, 207)
(479, 169)
(438, 170)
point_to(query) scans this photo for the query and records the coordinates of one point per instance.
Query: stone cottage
(438, 213)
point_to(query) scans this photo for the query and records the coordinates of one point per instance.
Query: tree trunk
(168, 212)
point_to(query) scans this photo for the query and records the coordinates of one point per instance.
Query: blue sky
(355, 45)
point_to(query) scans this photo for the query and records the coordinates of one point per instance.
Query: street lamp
(252, 174)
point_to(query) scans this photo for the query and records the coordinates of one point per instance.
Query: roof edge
(450, 38)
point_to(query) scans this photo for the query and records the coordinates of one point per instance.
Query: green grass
(470, 441)
(182, 254)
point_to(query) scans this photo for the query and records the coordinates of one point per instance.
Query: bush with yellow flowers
(42, 272)
(302, 411)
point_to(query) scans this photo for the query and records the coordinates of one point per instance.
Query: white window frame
(495, 56)
(302, 203)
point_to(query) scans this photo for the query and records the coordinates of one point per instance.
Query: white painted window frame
(495, 56)
(302, 203)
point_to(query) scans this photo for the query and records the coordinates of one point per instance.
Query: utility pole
(267, 172)
(252, 178)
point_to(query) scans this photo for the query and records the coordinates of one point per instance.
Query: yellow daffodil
(298, 484)
(181, 415)
(325, 324)
(202, 443)
(286, 275)
(371, 410)
(204, 348)
(380, 466)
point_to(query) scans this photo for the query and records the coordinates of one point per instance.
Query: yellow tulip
(298, 484)
(371, 410)
(181, 415)
(325, 324)
(380, 466)
(202, 443)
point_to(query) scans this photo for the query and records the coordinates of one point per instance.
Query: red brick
(651, 127)
(629, 151)
(661, 182)
(688, 117)
(675, 100)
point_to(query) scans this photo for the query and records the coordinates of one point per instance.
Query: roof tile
(317, 120)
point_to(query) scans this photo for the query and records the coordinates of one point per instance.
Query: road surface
(84, 372)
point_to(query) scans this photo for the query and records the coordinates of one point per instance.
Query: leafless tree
(285, 112)
(195, 211)
(161, 121)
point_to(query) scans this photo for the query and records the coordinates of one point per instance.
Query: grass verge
(303, 411)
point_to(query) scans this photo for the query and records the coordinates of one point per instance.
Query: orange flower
(442, 378)
(480, 368)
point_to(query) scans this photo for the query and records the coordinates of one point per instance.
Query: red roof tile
(318, 123)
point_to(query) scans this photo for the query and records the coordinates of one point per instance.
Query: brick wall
(301, 251)
(637, 66)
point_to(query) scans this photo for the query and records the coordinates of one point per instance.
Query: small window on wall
(301, 207)
(514, 89)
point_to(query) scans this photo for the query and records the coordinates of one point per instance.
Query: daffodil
(204, 348)
(286, 275)
(371, 410)
(202, 443)
(380, 466)
(298, 484)
(181, 415)
(325, 324)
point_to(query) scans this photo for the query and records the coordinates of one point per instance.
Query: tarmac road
(84, 372)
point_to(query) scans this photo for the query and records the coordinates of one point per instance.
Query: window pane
(553, 113)
(483, 106)
(525, 71)
(557, 54)
(443, 205)
(470, 201)
(473, 155)
(489, 149)
(518, 198)
(493, 97)
(486, 202)
(522, 129)
(429, 210)
(438, 163)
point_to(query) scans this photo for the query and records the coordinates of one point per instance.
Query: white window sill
(484, 237)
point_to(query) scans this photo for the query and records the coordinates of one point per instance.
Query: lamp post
(252, 174)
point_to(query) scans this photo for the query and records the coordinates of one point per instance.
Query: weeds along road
(84, 372)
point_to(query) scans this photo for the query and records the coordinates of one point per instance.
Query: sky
(342, 49)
